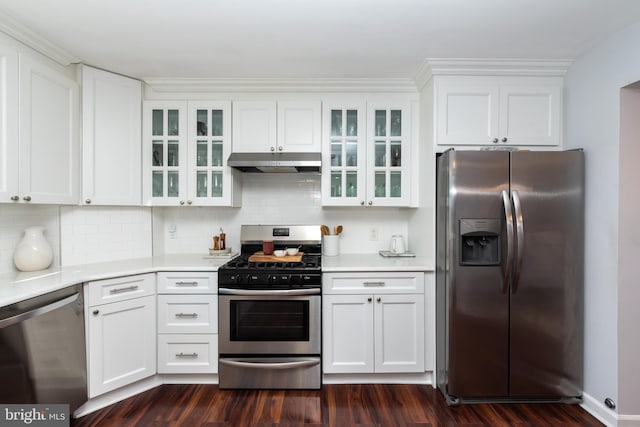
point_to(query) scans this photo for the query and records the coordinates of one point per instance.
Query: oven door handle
(271, 365)
(259, 292)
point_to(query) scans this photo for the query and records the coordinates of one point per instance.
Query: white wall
(592, 112)
(276, 199)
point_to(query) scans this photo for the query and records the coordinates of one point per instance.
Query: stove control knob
(251, 278)
(236, 278)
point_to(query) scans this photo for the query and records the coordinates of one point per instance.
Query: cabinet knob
(189, 202)
(273, 148)
(379, 299)
(370, 203)
(181, 202)
(504, 139)
(88, 201)
(280, 148)
(362, 203)
(96, 312)
(27, 198)
(15, 198)
(495, 140)
(369, 299)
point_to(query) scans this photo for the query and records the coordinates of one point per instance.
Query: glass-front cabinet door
(186, 146)
(209, 144)
(164, 153)
(388, 146)
(344, 157)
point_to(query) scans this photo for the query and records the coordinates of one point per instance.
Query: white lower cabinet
(121, 335)
(367, 331)
(187, 323)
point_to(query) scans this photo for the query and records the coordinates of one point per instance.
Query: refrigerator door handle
(508, 215)
(517, 206)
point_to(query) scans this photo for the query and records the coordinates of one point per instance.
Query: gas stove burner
(240, 273)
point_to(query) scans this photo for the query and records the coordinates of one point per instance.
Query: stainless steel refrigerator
(509, 275)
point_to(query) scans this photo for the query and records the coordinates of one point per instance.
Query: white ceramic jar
(33, 251)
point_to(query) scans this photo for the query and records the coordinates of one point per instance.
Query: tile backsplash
(275, 199)
(104, 233)
(86, 234)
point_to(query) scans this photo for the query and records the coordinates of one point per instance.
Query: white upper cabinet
(270, 126)
(49, 128)
(254, 126)
(164, 150)
(498, 110)
(366, 152)
(185, 150)
(111, 138)
(210, 181)
(299, 126)
(9, 143)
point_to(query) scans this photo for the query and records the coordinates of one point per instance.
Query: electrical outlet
(173, 231)
(373, 234)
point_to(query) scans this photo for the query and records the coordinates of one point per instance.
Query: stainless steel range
(270, 311)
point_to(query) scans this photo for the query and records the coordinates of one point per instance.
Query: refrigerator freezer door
(472, 298)
(547, 300)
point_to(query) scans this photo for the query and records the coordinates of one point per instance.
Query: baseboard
(628, 420)
(422, 378)
(596, 408)
(114, 396)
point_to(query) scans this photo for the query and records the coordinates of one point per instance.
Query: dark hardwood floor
(334, 405)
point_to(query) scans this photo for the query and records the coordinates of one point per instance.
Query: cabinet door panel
(299, 126)
(122, 344)
(347, 334)
(164, 153)
(111, 139)
(344, 155)
(8, 124)
(254, 126)
(530, 115)
(49, 145)
(399, 339)
(467, 114)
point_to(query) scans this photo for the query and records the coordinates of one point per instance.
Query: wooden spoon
(324, 230)
(338, 229)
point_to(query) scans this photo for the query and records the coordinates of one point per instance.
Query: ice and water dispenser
(480, 241)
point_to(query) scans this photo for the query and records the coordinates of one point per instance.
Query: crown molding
(280, 85)
(490, 67)
(24, 35)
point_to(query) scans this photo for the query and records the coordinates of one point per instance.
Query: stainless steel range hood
(276, 162)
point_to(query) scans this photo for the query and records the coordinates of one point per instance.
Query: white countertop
(18, 286)
(374, 262)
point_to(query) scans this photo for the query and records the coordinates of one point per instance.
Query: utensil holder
(330, 245)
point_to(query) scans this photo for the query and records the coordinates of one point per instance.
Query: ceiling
(313, 38)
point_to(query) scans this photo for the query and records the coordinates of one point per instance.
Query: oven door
(280, 322)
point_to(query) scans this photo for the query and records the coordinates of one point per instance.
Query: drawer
(187, 314)
(188, 283)
(188, 354)
(369, 283)
(121, 288)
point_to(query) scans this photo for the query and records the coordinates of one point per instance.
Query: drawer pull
(186, 354)
(121, 290)
(186, 315)
(372, 284)
(186, 283)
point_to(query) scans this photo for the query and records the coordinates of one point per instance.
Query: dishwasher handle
(38, 311)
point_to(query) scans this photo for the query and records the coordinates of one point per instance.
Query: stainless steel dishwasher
(42, 350)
